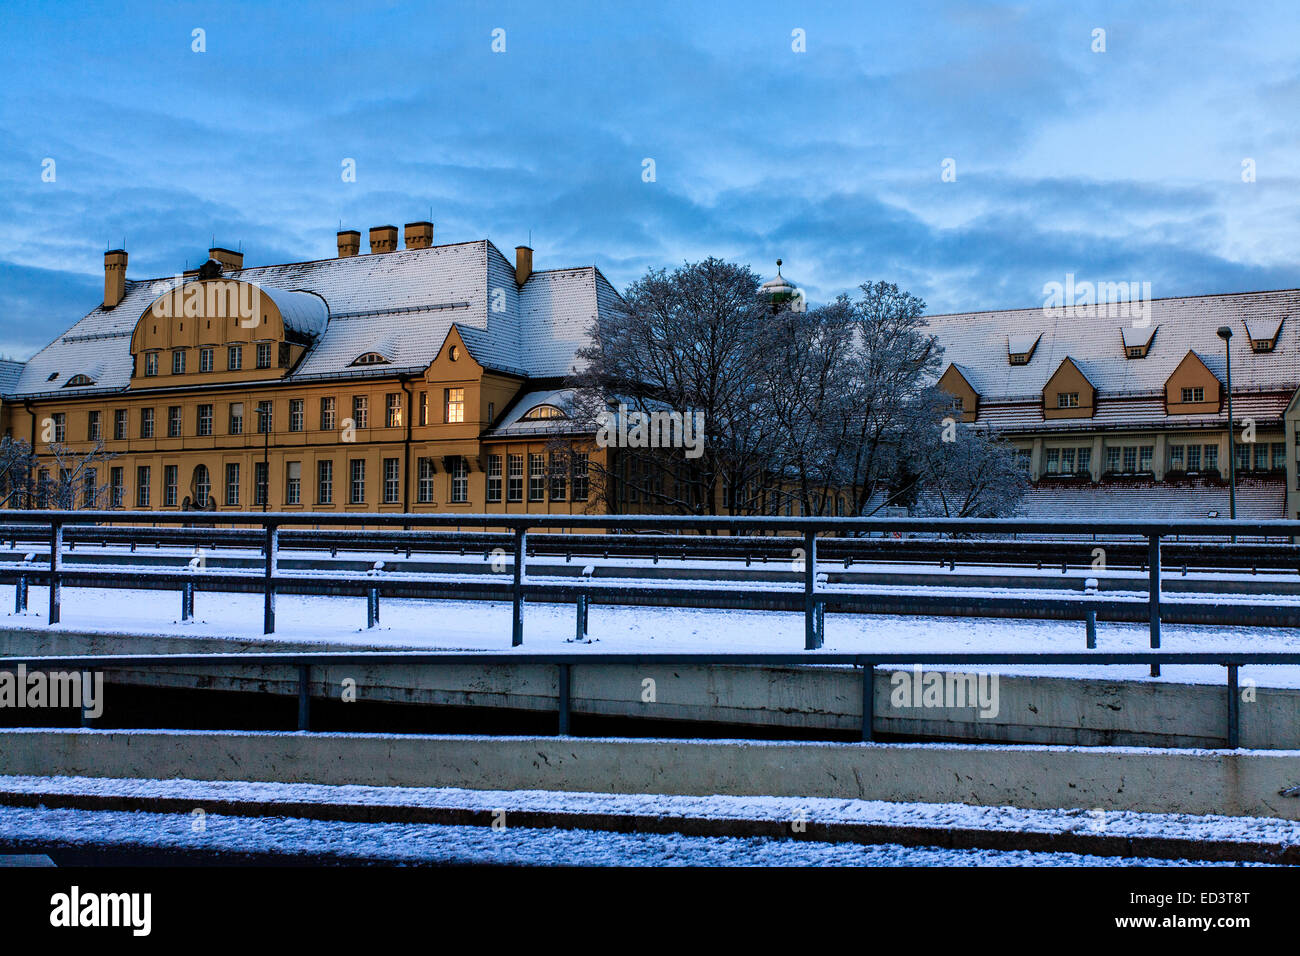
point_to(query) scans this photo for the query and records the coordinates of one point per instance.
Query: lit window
(541, 412)
(370, 358)
(393, 410)
(454, 410)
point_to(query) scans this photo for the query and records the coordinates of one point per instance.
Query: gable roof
(399, 303)
(978, 341)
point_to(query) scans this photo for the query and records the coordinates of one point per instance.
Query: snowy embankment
(485, 626)
(414, 842)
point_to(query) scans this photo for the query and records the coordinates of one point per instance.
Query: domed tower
(780, 290)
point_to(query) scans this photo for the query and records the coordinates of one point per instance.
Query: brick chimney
(349, 243)
(383, 239)
(419, 235)
(228, 258)
(523, 264)
(114, 277)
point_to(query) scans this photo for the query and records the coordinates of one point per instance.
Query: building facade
(1116, 413)
(400, 380)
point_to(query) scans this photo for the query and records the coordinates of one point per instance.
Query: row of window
(565, 477)
(1137, 459)
(207, 358)
(453, 412)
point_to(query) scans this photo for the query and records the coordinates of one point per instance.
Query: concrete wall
(1239, 783)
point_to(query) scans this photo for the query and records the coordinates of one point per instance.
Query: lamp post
(1225, 333)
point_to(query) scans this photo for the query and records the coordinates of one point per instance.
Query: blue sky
(1122, 165)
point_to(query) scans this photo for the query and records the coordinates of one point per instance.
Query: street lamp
(1225, 333)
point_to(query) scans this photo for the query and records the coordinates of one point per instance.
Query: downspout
(403, 381)
(31, 491)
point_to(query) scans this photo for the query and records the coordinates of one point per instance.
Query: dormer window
(1020, 348)
(78, 380)
(1137, 342)
(52, 376)
(1067, 399)
(370, 358)
(541, 412)
(1263, 333)
(1191, 395)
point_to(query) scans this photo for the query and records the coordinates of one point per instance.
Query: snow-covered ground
(485, 625)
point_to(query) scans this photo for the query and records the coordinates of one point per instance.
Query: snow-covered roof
(401, 304)
(980, 343)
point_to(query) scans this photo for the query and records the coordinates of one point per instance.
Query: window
(1210, 457)
(392, 481)
(142, 486)
(454, 408)
(360, 411)
(536, 478)
(236, 418)
(1175, 457)
(1024, 460)
(459, 480)
(1243, 457)
(1261, 456)
(293, 483)
(234, 357)
(559, 477)
(541, 412)
(1085, 460)
(1145, 454)
(393, 410)
(202, 486)
(178, 362)
(150, 363)
(324, 482)
(1196, 394)
(581, 478)
(357, 486)
(370, 358)
(514, 478)
(1052, 461)
(119, 424)
(492, 412)
(1136, 351)
(263, 354)
(205, 419)
(1067, 461)
(116, 490)
(260, 482)
(327, 414)
(1130, 459)
(424, 408)
(60, 423)
(92, 425)
(146, 423)
(297, 417)
(77, 380)
(89, 488)
(263, 418)
(171, 482)
(232, 483)
(424, 486)
(494, 478)
(205, 360)
(284, 356)
(1279, 456)
(1193, 457)
(174, 421)
(1067, 399)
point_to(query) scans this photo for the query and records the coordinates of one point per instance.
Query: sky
(970, 152)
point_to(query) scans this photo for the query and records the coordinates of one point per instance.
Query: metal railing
(304, 661)
(270, 524)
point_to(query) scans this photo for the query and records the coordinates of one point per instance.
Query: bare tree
(61, 477)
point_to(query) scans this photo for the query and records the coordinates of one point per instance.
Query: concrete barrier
(1238, 783)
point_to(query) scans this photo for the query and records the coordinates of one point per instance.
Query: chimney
(383, 239)
(523, 264)
(349, 243)
(229, 259)
(114, 277)
(419, 235)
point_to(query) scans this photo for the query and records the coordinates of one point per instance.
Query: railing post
(20, 594)
(812, 638)
(563, 686)
(868, 699)
(372, 607)
(1234, 709)
(304, 697)
(581, 628)
(268, 605)
(185, 600)
(56, 549)
(517, 591)
(1091, 620)
(1153, 593)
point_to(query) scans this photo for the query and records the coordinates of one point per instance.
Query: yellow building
(401, 380)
